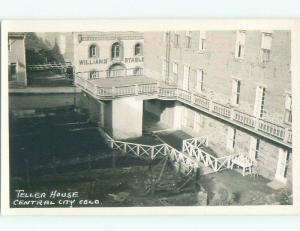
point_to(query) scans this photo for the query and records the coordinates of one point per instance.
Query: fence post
(216, 165)
(228, 162)
(138, 150)
(125, 146)
(152, 153)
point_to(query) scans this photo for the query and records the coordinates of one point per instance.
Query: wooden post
(152, 153)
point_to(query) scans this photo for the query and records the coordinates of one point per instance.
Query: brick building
(16, 60)
(233, 87)
(245, 72)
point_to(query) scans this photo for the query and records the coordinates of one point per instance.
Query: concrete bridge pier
(126, 117)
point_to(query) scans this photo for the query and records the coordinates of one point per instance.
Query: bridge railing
(279, 132)
(187, 163)
(49, 66)
(245, 118)
(271, 129)
(193, 148)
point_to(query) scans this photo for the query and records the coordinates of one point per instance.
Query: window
(288, 109)
(93, 51)
(186, 76)
(190, 121)
(116, 50)
(259, 101)
(188, 118)
(240, 44)
(202, 40)
(198, 122)
(254, 148)
(13, 71)
(164, 69)
(175, 73)
(231, 135)
(94, 74)
(176, 40)
(199, 81)
(188, 39)
(236, 90)
(165, 37)
(138, 49)
(266, 43)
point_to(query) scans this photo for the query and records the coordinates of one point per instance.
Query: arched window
(138, 49)
(93, 50)
(116, 50)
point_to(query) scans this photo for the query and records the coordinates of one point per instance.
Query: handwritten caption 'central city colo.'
(52, 198)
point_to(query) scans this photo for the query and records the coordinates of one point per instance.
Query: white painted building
(108, 54)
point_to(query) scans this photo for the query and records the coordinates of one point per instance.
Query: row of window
(188, 40)
(266, 42)
(116, 50)
(118, 71)
(260, 101)
(197, 84)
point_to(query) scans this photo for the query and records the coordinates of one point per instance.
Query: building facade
(108, 54)
(16, 60)
(247, 71)
(233, 87)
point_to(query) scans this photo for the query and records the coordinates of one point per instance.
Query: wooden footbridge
(189, 159)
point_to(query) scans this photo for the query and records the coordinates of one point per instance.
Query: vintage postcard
(150, 117)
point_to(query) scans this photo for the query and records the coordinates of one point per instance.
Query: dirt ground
(61, 150)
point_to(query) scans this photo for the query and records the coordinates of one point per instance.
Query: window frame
(115, 51)
(140, 49)
(288, 109)
(93, 51)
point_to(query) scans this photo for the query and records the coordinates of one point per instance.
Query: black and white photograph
(192, 116)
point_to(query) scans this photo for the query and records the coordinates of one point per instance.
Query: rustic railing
(49, 66)
(193, 147)
(187, 163)
(282, 134)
